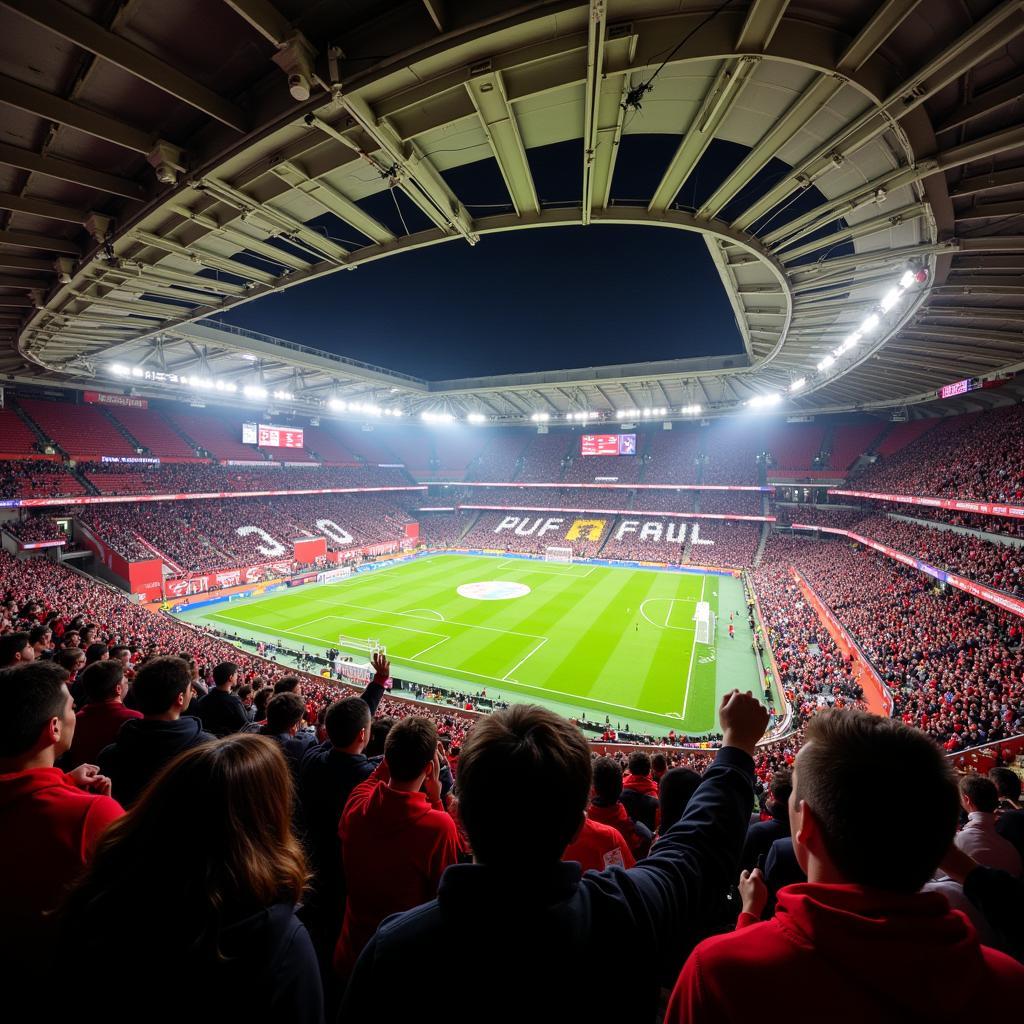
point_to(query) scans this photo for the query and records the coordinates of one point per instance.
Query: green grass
(611, 641)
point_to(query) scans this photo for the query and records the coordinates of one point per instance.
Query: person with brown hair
(199, 881)
(396, 837)
(524, 783)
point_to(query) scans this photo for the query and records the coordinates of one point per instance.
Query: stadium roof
(161, 163)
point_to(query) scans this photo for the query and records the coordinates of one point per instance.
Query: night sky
(543, 299)
(539, 299)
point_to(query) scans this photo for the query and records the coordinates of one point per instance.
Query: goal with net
(704, 623)
(563, 555)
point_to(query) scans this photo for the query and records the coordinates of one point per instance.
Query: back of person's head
(94, 653)
(882, 796)
(607, 780)
(33, 695)
(284, 711)
(224, 672)
(379, 730)
(71, 659)
(780, 787)
(345, 720)
(260, 702)
(38, 634)
(659, 764)
(524, 782)
(639, 763)
(980, 792)
(674, 791)
(1007, 783)
(287, 684)
(100, 681)
(14, 649)
(410, 747)
(158, 684)
(214, 827)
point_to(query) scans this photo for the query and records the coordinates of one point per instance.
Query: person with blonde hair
(187, 910)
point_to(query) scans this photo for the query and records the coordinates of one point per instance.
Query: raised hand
(744, 719)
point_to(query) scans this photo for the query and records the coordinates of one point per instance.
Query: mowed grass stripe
(600, 652)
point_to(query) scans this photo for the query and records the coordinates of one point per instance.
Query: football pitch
(615, 642)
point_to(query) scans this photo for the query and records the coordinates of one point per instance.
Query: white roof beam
(985, 37)
(596, 28)
(498, 120)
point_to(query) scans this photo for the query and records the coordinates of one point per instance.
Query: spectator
(608, 809)
(396, 837)
(517, 905)
(846, 931)
(15, 649)
(979, 838)
(162, 690)
(98, 723)
(40, 637)
(598, 846)
(51, 820)
(640, 791)
(676, 788)
(327, 775)
(1009, 814)
(202, 874)
(761, 834)
(221, 711)
(285, 713)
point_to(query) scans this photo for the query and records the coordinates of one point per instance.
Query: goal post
(704, 623)
(556, 554)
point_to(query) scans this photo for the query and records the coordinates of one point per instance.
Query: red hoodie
(50, 828)
(598, 847)
(395, 846)
(641, 784)
(619, 818)
(853, 954)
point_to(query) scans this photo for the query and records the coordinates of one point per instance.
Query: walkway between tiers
(874, 695)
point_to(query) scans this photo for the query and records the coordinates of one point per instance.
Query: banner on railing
(635, 513)
(983, 508)
(997, 597)
(109, 499)
(104, 398)
(563, 484)
(201, 582)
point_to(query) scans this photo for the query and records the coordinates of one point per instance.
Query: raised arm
(698, 858)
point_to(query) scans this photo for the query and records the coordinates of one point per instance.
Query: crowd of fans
(37, 478)
(203, 535)
(35, 529)
(955, 665)
(974, 456)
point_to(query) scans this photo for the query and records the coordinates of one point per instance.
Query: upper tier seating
(150, 428)
(83, 431)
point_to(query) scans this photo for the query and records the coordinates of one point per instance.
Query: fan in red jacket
(873, 810)
(396, 837)
(99, 722)
(50, 821)
(598, 846)
(608, 809)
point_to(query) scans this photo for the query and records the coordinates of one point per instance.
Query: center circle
(493, 590)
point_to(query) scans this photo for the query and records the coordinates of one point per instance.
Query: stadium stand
(794, 445)
(154, 432)
(499, 459)
(672, 456)
(851, 440)
(216, 431)
(976, 455)
(38, 479)
(546, 456)
(16, 438)
(83, 431)
(730, 453)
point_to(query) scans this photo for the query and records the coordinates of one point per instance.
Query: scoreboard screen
(267, 436)
(608, 444)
